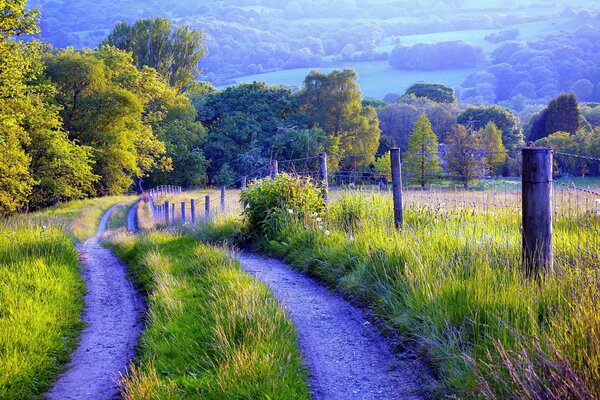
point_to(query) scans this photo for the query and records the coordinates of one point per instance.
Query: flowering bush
(270, 204)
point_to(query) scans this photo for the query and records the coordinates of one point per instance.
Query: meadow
(450, 283)
(42, 293)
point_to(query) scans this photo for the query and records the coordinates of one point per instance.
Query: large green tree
(464, 155)
(39, 165)
(333, 102)
(156, 43)
(107, 104)
(421, 161)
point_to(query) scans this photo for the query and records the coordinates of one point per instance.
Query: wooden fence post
(207, 206)
(397, 187)
(193, 210)
(324, 179)
(223, 198)
(244, 182)
(166, 206)
(183, 211)
(537, 210)
(274, 169)
(173, 212)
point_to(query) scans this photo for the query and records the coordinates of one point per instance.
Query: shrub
(270, 204)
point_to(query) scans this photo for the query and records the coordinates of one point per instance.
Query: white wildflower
(327, 233)
(320, 226)
(44, 227)
(291, 211)
(318, 219)
(352, 238)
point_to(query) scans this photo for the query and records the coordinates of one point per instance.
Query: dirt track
(346, 356)
(113, 315)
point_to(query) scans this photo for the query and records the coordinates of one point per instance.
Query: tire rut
(346, 356)
(113, 318)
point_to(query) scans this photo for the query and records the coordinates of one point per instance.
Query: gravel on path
(113, 318)
(347, 358)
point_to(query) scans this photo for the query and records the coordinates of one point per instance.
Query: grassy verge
(118, 219)
(41, 293)
(451, 283)
(212, 331)
(79, 218)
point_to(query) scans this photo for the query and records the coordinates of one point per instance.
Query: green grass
(41, 293)
(118, 219)
(79, 218)
(376, 78)
(212, 331)
(451, 284)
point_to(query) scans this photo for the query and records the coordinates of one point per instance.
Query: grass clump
(212, 331)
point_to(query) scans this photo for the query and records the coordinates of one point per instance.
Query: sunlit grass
(451, 283)
(41, 293)
(212, 331)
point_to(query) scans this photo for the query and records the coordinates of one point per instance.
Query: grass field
(212, 331)
(451, 283)
(376, 78)
(41, 293)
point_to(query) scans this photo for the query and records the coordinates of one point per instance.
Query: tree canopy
(173, 52)
(421, 161)
(433, 91)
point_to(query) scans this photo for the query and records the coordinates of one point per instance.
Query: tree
(503, 118)
(333, 103)
(109, 105)
(464, 156)
(383, 166)
(562, 114)
(437, 92)
(39, 165)
(174, 53)
(422, 163)
(495, 152)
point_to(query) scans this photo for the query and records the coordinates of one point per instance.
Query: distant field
(530, 31)
(376, 78)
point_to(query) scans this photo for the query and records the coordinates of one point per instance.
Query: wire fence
(486, 201)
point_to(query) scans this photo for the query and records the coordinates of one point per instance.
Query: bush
(269, 204)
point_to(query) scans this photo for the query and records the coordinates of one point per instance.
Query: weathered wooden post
(537, 210)
(183, 211)
(244, 182)
(223, 198)
(207, 206)
(397, 187)
(324, 179)
(173, 212)
(166, 205)
(274, 169)
(193, 210)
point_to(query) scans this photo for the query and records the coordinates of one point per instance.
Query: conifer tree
(422, 161)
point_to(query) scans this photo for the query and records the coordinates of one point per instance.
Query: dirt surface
(113, 317)
(132, 218)
(346, 356)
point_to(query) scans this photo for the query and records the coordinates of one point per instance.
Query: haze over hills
(391, 44)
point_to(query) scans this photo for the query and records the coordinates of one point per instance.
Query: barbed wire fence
(444, 194)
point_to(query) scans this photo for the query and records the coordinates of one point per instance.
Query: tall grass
(41, 293)
(212, 331)
(452, 285)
